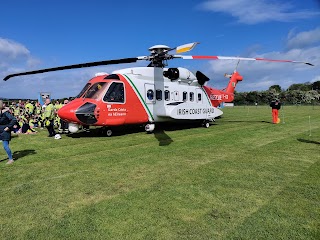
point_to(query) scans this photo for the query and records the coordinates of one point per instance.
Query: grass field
(242, 178)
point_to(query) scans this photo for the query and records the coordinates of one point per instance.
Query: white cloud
(257, 11)
(14, 57)
(304, 39)
(11, 49)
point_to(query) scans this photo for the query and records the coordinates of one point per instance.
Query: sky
(38, 34)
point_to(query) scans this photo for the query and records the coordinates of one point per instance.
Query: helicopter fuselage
(143, 95)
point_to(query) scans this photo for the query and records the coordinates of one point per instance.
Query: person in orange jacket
(275, 105)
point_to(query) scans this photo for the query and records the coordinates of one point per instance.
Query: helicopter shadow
(17, 155)
(162, 137)
(307, 141)
(99, 132)
(159, 132)
(235, 121)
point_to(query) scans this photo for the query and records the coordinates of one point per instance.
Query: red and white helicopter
(147, 95)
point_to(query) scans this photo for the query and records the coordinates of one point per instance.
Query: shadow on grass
(249, 121)
(100, 132)
(162, 137)
(307, 141)
(20, 154)
(159, 132)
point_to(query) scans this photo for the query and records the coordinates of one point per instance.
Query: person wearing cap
(275, 105)
(7, 121)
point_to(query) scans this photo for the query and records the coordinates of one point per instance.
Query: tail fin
(234, 79)
(227, 95)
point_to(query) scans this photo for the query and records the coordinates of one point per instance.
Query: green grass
(242, 178)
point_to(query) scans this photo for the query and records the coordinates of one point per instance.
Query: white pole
(310, 125)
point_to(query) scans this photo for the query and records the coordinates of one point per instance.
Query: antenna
(237, 65)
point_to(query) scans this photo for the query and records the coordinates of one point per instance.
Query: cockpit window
(113, 76)
(115, 93)
(83, 90)
(95, 90)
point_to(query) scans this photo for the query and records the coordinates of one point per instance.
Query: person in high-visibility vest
(49, 115)
(275, 105)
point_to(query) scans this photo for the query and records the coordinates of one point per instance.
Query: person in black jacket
(7, 121)
(275, 105)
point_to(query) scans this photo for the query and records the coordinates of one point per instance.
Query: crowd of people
(25, 117)
(31, 115)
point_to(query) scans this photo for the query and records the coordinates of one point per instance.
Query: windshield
(83, 90)
(95, 90)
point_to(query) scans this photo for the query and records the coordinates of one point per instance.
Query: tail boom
(227, 95)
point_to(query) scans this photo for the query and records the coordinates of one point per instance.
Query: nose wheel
(106, 131)
(149, 127)
(109, 132)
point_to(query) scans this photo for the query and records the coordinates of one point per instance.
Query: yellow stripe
(185, 49)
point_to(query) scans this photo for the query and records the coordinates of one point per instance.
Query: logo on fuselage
(192, 111)
(218, 96)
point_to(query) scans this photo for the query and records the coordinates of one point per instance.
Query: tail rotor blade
(81, 65)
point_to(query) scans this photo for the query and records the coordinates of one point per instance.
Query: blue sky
(37, 34)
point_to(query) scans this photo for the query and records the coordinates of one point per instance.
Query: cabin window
(176, 95)
(150, 94)
(159, 94)
(167, 95)
(83, 90)
(95, 90)
(184, 96)
(115, 93)
(199, 97)
(191, 95)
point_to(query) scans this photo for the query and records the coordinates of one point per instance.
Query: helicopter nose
(67, 113)
(83, 113)
(86, 113)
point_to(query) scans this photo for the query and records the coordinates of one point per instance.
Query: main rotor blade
(186, 47)
(237, 58)
(81, 65)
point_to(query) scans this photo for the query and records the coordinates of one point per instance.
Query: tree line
(301, 93)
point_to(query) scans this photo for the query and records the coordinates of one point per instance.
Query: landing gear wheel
(206, 124)
(109, 132)
(149, 127)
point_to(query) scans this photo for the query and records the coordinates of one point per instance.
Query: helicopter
(148, 95)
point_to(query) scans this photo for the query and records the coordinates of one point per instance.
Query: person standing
(49, 114)
(64, 125)
(275, 105)
(7, 121)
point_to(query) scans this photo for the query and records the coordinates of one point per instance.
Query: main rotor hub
(159, 49)
(159, 56)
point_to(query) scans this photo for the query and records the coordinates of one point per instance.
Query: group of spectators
(31, 115)
(24, 117)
